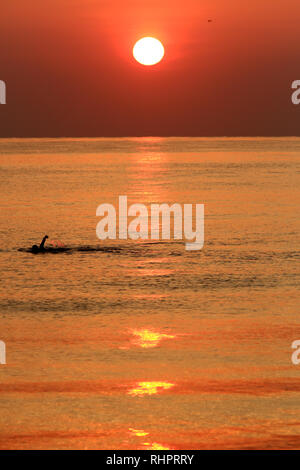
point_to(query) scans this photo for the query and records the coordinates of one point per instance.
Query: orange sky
(69, 69)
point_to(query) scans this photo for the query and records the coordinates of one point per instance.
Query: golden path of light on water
(138, 432)
(149, 388)
(148, 338)
(148, 445)
(155, 446)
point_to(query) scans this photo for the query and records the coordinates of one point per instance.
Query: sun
(148, 51)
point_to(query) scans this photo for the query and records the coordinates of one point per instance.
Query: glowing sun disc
(148, 51)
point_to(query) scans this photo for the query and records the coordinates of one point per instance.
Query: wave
(87, 248)
(175, 248)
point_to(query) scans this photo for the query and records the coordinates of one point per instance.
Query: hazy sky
(69, 68)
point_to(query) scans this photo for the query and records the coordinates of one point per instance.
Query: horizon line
(158, 137)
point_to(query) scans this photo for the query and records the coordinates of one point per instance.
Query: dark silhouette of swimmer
(39, 249)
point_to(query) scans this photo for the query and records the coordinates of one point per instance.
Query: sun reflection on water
(155, 446)
(149, 388)
(148, 445)
(138, 432)
(148, 338)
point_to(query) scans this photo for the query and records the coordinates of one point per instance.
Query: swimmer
(39, 249)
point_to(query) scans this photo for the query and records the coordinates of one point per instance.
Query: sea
(141, 344)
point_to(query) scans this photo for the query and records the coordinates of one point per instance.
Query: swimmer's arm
(43, 242)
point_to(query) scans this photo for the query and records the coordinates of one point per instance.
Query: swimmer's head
(35, 249)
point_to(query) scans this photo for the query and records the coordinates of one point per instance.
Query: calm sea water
(148, 346)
